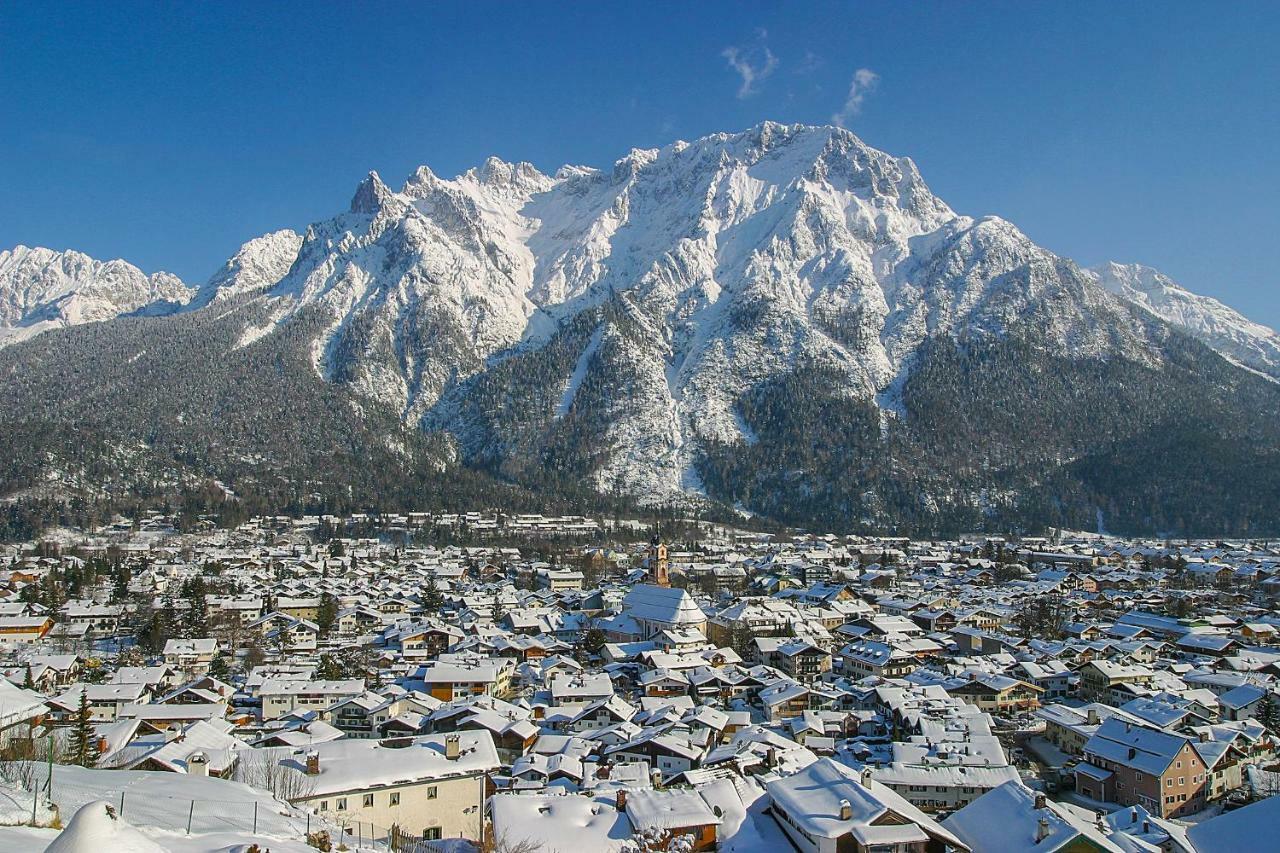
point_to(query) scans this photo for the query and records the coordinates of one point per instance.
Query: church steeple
(659, 571)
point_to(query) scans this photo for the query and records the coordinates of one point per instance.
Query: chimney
(1092, 716)
(622, 800)
(1146, 827)
(1042, 829)
(846, 810)
(197, 764)
(313, 763)
(1132, 753)
(866, 776)
(452, 748)
(103, 746)
(1040, 802)
(1133, 815)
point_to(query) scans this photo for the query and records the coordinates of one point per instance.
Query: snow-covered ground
(161, 804)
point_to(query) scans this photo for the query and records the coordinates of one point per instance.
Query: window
(1168, 783)
(431, 833)
(432, 793)
(368, 801)
(394, 799)
(324, 805)
(342, 804)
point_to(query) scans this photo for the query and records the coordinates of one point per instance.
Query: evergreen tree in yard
(159, 628)
(326, 614)
(432, 600)
(84, 749)
(197, 621)
(27, 681)
(219, 669)
(329, 669)
(120, 587)
(1269, 711)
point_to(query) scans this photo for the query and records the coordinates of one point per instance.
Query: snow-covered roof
(674, 809)
(18, 705)
(1242, 829)
(813, 799)
(1007, 819)
(353, 764)
(668, 605)
(561, 822)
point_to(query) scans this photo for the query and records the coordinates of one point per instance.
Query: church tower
(659, 573)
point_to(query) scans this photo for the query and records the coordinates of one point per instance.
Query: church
(655, 606)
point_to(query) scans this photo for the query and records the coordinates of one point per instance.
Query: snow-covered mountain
(695, 271)
(41, 289)
(1224, 329)
(783, 319)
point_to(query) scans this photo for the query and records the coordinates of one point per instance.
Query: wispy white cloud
(809, 63)
(864, 81)
(752, 63)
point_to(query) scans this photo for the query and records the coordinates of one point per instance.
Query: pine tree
(1269, 711)
(432, 600)
(326, 614)
(27, 681)
(219, 669)
(84, 750)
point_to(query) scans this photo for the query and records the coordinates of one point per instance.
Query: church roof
(668, 605)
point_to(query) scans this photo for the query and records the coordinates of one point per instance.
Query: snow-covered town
(521, 683)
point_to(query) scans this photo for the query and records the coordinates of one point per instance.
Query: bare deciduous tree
(262, 768)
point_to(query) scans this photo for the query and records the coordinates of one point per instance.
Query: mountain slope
(255, 266)
(1221, 328)
(783, 320)
(41, 289)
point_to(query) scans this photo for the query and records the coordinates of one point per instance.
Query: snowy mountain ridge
(42, 289)
(623, 328)
(1224, 329)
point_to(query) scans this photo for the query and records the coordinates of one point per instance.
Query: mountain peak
(371, 195)
(256, 265)
(519, 179)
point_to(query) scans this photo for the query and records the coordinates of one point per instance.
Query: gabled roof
(813, 798)
(669, 605)
(1142, 748)
(1006, 819)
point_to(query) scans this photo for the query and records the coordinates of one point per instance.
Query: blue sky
(169, 134)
